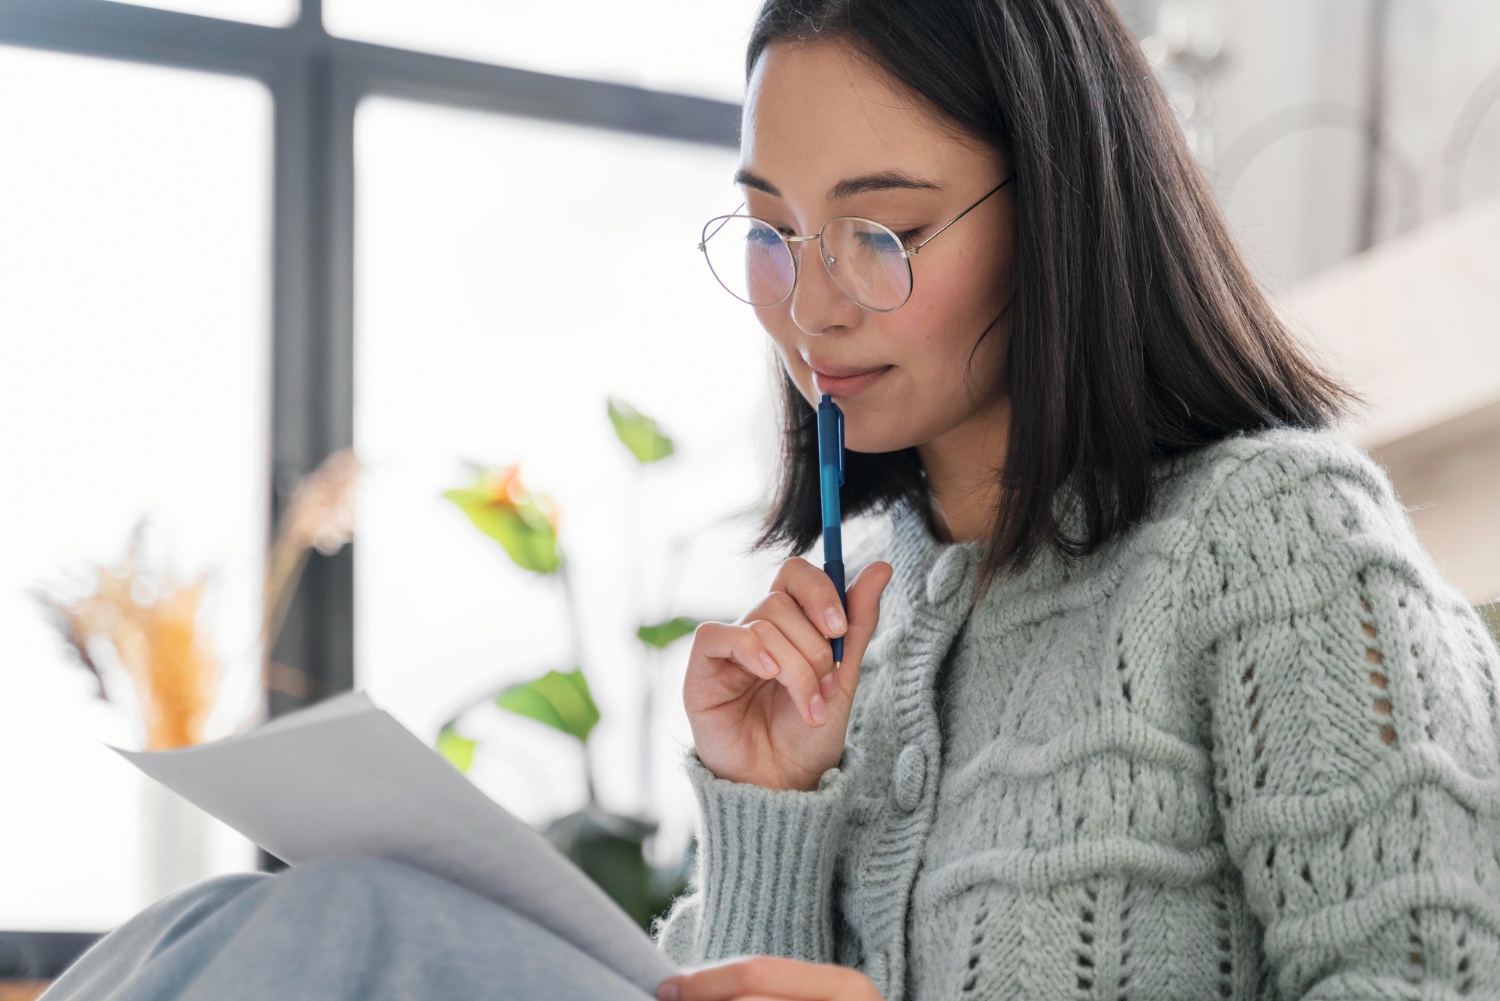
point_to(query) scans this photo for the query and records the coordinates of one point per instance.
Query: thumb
(863, 597)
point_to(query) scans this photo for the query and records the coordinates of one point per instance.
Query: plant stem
(645, 662)
(575, 639)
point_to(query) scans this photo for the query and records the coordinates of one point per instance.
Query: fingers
(769, 977)
(785, 637)
(760, 648)
(814, 594)
(813, 590)
(864, 614)
(782, 609)
(797, 674)
(723, 641)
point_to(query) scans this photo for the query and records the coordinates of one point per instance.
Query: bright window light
(511, 276)
(692, 46)
(133, 381)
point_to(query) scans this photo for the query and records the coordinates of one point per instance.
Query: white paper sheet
(343, 779)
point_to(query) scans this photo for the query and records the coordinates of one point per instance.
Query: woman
(1167, 700)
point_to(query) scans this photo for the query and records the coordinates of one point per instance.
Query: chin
(878, 439)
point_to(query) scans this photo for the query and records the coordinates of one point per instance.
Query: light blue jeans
(334, 930)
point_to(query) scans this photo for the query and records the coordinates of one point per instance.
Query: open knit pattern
(1249, 750)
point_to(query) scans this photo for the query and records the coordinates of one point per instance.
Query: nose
(817, 305)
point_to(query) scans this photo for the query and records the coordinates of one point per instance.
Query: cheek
(778, 324)
(950, 310)
(945, 318)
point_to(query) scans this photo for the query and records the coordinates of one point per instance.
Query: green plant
(609, 847)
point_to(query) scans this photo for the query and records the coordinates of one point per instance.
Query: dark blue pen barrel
(835, 570)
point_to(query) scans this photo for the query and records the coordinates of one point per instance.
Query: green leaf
(523, 528)
(458, 750)
(664, 634)
(638, 432)
(562, 701)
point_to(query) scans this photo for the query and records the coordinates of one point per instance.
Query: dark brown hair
(1137, 332)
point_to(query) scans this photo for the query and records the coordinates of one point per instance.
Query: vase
(176, 843)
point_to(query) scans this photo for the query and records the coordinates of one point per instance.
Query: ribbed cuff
(765, 865)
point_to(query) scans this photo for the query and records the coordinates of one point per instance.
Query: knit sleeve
(762, 884)
(1355, 735)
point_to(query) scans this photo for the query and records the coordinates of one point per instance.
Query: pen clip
(840, 413)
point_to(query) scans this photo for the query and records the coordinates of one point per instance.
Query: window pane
(133, 381)
(691, 46)
(272, 12)
(512, 275)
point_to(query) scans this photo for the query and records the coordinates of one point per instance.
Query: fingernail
(765, 659)
(835, 620)
(818, 710)
(667, 991)
(827, 685)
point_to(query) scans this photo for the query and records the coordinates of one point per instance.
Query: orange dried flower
(154, 631)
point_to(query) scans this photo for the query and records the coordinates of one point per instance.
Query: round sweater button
(908, 778)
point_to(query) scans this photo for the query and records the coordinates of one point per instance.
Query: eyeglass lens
(752, 261)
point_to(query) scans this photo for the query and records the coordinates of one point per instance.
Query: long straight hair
(1137, 332)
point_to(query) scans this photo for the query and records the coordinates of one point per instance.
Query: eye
(879, 241)
(762, 235)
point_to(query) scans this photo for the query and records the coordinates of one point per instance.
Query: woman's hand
(769, 978)
(764, 701)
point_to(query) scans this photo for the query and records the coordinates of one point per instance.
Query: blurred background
(240, 236)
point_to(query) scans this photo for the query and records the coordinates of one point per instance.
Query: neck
(963, 474)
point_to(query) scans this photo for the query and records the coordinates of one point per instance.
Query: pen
(830, 478)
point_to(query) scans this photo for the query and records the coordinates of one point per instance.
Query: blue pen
(830, 478)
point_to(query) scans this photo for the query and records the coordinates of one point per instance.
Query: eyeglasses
(868, 262)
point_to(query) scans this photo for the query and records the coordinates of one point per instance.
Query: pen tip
(837, 664)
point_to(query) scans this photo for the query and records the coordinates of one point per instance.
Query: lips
(843, 380)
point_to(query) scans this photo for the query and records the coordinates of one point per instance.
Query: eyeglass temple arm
(703, 243)
(965, 212)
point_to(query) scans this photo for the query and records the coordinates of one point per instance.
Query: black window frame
(316, 81)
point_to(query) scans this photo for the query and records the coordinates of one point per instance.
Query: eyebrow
(884, 180)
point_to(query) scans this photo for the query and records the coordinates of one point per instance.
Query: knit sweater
(1249, 749)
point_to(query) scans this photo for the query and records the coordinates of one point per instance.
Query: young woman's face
(818, 116)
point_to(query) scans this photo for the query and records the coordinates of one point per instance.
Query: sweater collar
(929, 571)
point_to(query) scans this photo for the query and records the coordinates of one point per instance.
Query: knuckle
(802, 679)
(787, 570)
(781, 603)
(796, 570)
(762, 608)
(755, 972)
(709, 640)
(748, 643)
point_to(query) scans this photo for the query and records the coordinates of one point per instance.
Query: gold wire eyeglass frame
(828, 260)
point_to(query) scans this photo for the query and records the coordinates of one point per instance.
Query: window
(273, 12)
(688, 46)
(511, 275)
(134, 350)
(171, 264)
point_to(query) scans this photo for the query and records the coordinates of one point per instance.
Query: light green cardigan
(1251, 749)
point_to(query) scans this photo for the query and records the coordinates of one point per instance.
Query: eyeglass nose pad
(830, 260)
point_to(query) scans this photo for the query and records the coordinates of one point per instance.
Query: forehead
(818, 112)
